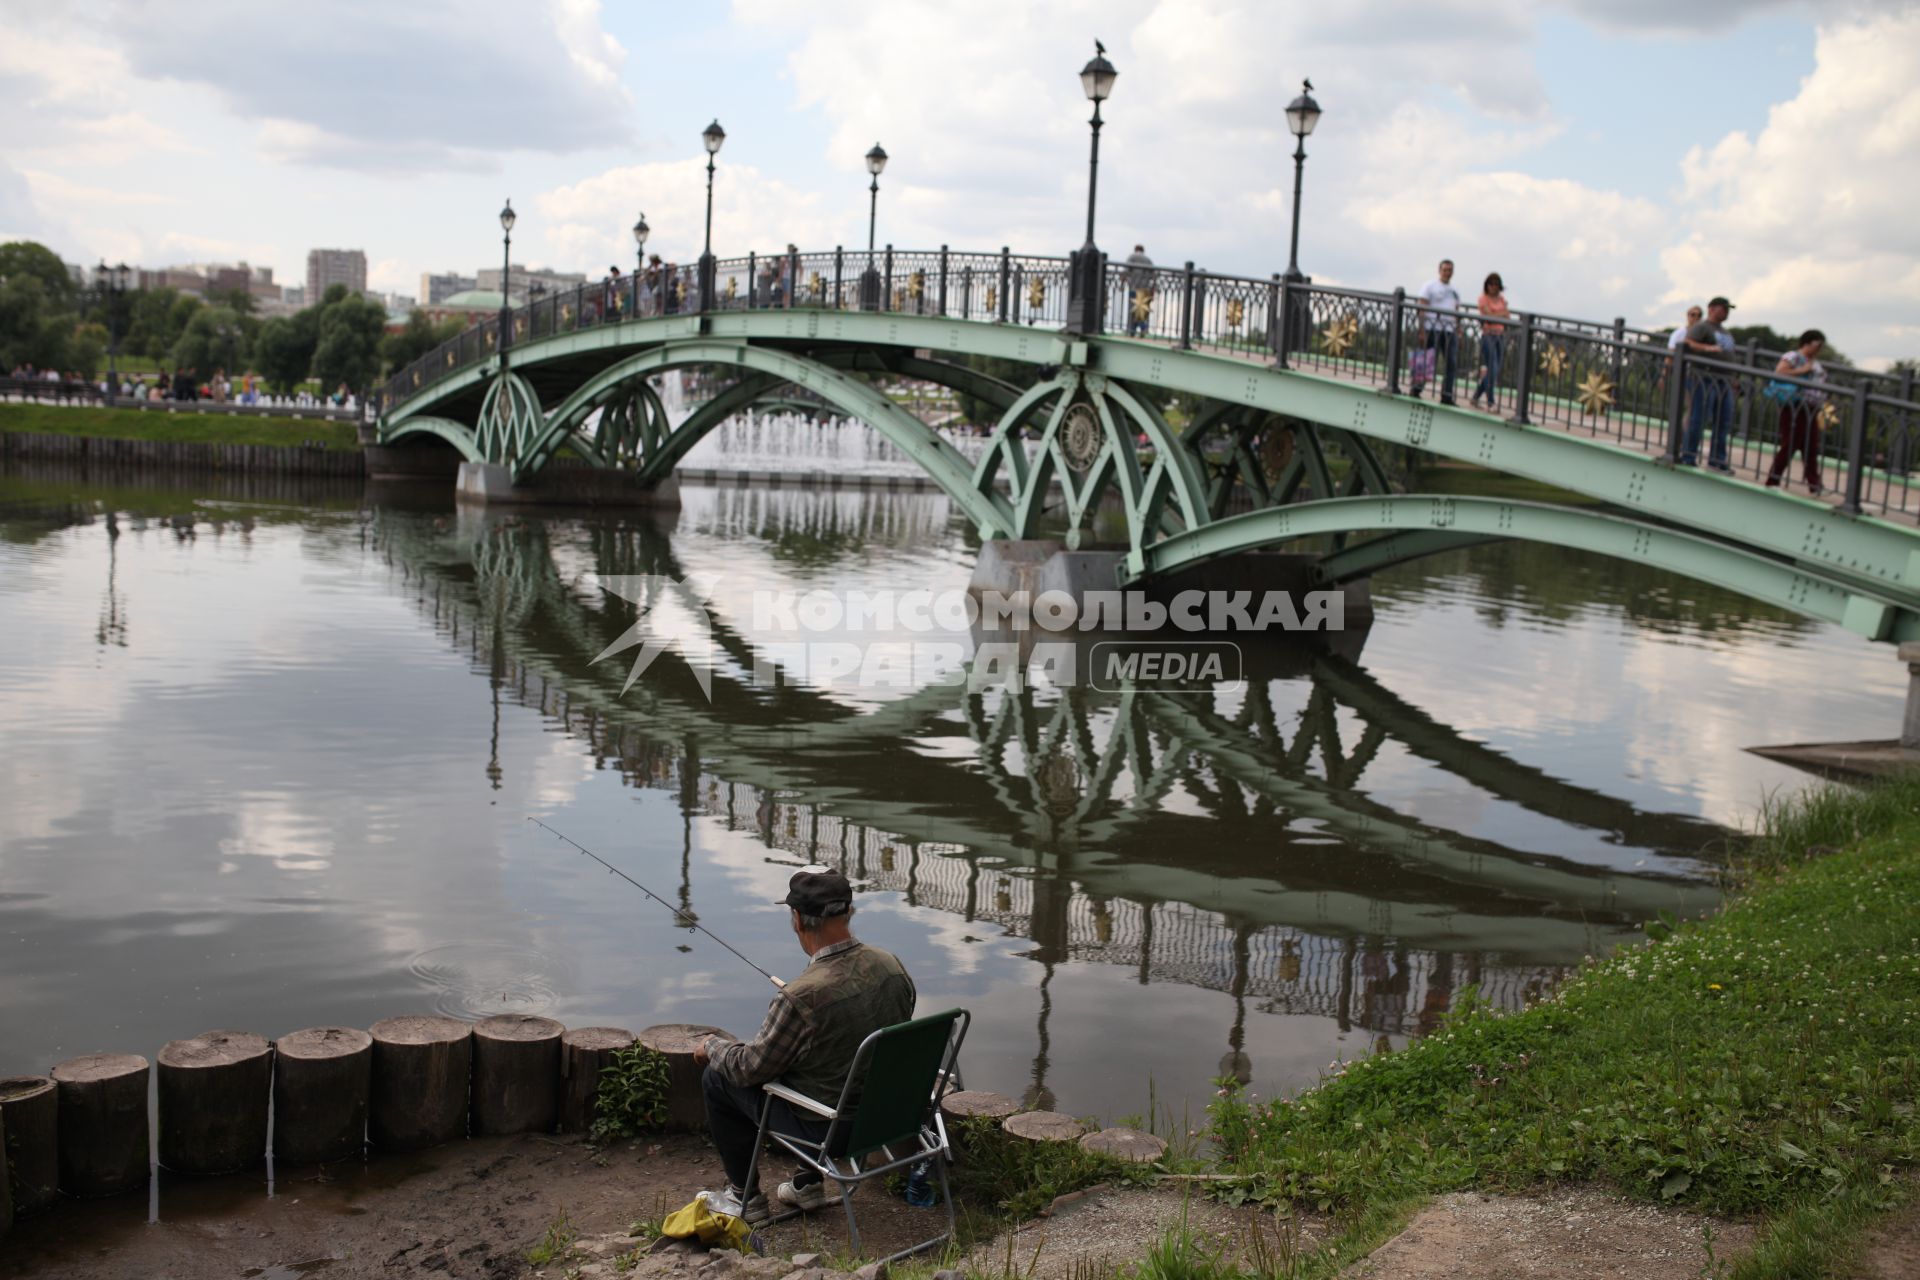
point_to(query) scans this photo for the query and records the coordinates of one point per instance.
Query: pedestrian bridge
(1218, 414)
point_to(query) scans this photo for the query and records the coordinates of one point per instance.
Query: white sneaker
(727, 1201)
(815, 1195)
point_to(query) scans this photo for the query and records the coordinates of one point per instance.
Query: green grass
(131, 424)
(1760, 1063)
(556, 1245)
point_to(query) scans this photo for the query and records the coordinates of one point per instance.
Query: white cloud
(1810, 222)
(588, 222)
(365, 84)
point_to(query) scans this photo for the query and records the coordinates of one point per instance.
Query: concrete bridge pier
(1910, 726)
(1856, 760)
(489, 484)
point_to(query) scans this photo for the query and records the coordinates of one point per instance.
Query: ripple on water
(480, 979)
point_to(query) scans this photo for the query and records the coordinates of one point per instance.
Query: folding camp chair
(890, 1103)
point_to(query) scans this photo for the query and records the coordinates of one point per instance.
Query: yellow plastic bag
(701, 1221)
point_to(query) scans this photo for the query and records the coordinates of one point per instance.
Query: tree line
(49, 322)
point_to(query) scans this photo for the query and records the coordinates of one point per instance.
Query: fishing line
(683, 917)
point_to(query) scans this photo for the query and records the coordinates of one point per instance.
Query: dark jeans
(1712, 401)
(733, 1117)
(1799, 429)
(1493, 347)
(1445, 345)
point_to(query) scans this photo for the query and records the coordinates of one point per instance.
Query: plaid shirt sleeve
(782, 1041)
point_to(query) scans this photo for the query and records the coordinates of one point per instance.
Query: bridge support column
(488, 484)
(1910, 726)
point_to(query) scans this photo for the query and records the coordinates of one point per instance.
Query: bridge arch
(1420, 517)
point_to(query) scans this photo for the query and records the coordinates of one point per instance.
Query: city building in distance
(438, 287)
(539, 279)
(328, 267)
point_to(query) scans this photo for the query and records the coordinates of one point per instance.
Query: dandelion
(1713, 986)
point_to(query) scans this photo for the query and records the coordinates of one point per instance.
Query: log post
(584, 1053)
(31, 1113)
(322, 1078)
(421, 1066)
(213, 1102)
(1129, 1146)
(102, 1099)
(516, 1074)
(676, 1041)
(1043, 1126)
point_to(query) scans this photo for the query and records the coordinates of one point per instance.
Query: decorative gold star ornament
(1340, 335)
(1236, 312)
(1142, 304)
(1037, 293)
(1553, 361)
(1595, 393)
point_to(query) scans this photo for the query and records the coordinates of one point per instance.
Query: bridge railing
(1603, 379)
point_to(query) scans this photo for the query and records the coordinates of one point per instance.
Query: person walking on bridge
(1139, 291)
(1799, 409)
(1710, 391)
(812, 1031)
(1442, 323)
(1493, 338)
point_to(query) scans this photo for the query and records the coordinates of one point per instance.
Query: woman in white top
(1799, 409)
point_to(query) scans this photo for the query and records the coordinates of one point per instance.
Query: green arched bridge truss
(1278, 451)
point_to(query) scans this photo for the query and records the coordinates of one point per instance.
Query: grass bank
(1761, 1063)
(187, 427)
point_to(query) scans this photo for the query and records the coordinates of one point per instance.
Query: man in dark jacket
(812, 1030)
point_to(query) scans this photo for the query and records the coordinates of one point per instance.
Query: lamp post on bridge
(1302, 114)
(870, 278)
(110, 285)
(1086, 282)
(507, 219)
(640, 232)
(712, 137)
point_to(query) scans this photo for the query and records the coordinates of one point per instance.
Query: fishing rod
(684, 917)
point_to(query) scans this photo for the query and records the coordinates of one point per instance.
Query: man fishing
(813, 1028)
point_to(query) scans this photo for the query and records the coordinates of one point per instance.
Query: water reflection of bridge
(1273, 879)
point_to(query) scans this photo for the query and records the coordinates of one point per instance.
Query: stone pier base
(1855, 760)
(487, 484)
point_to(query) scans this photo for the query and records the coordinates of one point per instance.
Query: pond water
(269, 757)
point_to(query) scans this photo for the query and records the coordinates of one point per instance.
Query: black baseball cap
(1720, 302)
(819, 893)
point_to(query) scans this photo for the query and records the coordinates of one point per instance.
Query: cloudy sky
(1606, 156)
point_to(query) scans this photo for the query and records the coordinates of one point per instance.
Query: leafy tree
(348, 349)
(87, 349)
(34, 328)
(159, 318)
(283, 350)
(419, 337)
(239, 301)
(31, 258)
(214, 339)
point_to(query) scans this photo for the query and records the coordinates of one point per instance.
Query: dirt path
(475, 1210)
(1562, 1235)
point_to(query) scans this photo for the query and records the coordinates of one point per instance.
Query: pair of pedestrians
(1442, 345)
